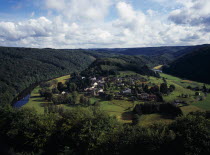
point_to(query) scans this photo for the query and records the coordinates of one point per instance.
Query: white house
(100, 91)
(95, 84)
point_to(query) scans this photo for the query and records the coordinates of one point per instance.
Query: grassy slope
(203, 104)
(181, 88)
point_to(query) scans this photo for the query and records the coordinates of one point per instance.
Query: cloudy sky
(103, 23)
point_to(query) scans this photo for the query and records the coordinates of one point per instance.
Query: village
(133, 87)
(80, 89)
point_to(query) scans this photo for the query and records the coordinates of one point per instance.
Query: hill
(167, 52)
(193, 66)
(113, 65)
(22, 67)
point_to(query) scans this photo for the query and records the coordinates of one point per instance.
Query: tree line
(91, 131)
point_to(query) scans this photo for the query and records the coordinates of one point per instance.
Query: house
(100, 91)
(127, 91)
(63, 93)
(95, 84)
(93, 79)
(157, 70)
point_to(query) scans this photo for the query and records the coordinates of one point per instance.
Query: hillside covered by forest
(22, 67)
(167, 52)
(194, 65)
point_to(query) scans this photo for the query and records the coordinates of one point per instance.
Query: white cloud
(193, 12)
(82, 24)
(81, 10)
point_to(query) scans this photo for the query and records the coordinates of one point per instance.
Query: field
(122, 109)
(147, 120)
(158, 67)
(36, 101)
(119, 108)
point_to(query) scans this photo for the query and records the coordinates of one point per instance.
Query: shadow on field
(35, 97)
(127, 115)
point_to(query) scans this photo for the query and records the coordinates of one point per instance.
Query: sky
(104, 23)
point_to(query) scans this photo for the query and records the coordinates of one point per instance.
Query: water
(22, 102)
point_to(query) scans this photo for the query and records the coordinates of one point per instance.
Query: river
(22, 102)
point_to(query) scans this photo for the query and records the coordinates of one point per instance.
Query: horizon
(82, 24)
(102, 47)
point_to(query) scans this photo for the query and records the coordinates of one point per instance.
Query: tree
(136, 119)
(97, 104)
(46, 93)
(154, 89)
(60, 86)
(193, 134)
(72, 87)
(164, 88)
(197, 93)
(48, 96)
(109, 97)
(204, 88)
(172, 88)
(146, 88)
(82, 99)
(55, 90)
(159, 97)
(74, 97)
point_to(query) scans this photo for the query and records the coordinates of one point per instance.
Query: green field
(120, 108)
(147, 120)
(36, 101)
(205, 105)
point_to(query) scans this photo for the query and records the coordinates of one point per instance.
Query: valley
(121, 106)
(104, 77)
(89, 102)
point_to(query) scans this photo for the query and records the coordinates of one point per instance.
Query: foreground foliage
(91, 131)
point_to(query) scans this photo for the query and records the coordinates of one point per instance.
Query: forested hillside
(169, 53)
(112, 66)
(21, 67)
(193, 66)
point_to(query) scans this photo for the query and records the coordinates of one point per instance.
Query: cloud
(81, 10)
(193, 13)
(31, 28)
(83, 24)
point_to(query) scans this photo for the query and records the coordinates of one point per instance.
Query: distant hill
(168, 52)
(194, 66)
(21, 67)
(112, 66)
